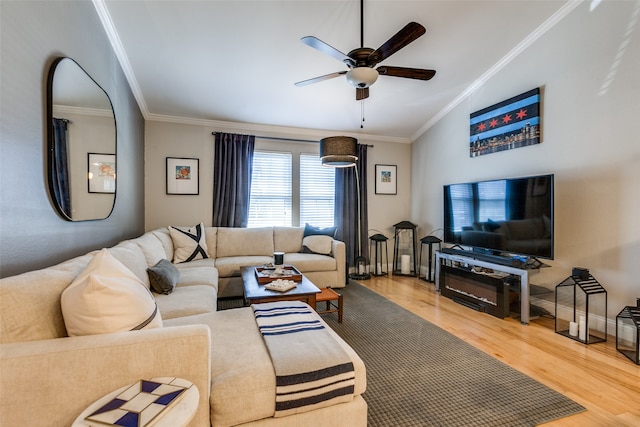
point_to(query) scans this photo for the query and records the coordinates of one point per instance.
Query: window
(278, 200)
(270, 202)
(317, 188)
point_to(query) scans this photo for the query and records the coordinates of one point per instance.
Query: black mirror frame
(50, 139)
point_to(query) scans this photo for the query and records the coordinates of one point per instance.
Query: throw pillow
(163, 277)
(318, 244)
(310, 230)
(107, 297)
(188, 243)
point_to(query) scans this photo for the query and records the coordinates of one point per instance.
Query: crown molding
(272, 131)
(121, 54)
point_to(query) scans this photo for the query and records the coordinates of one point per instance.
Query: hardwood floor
(596, 376)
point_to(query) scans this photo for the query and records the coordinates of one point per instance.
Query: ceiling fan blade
(406, 35)
(318, 44)
(410, 73)
(320, 78)
(362, 93)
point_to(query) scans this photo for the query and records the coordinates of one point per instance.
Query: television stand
(470, 259)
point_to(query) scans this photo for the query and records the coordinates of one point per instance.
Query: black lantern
(581, 308)
(628, 332)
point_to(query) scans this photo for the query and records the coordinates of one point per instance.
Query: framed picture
(101, 173)
(183, 176)
(386, 179)
(512, 123)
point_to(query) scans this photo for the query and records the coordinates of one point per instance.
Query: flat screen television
(501, 217)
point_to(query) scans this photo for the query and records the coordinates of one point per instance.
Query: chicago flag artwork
(512, 123)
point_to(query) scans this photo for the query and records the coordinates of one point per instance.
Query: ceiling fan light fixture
(339, 151)
(362, 77)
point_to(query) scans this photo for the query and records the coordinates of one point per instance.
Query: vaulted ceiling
(236, 62)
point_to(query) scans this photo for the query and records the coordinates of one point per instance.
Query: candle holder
(628, 332)
(278, 262)
(405, 245)
(581, 308)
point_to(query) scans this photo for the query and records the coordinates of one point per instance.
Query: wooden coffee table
(254, 293)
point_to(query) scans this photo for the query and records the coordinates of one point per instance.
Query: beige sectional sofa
(48, 378)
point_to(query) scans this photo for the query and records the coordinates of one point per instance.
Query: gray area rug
(421, 375)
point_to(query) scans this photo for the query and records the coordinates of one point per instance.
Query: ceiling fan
(361, 61)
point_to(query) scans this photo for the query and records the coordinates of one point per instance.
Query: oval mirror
(81, 144)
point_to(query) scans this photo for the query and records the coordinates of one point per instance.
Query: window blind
(270, 203)
(317, 188)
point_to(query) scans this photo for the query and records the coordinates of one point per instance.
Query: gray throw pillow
(163, 277)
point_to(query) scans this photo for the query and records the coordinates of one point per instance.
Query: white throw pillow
(318, 244)
(107, 297)
(189, 243)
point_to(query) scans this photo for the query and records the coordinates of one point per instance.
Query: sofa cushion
(243, 381)
(204, 275)
(233, 242)
(211, 237)
(311, 262)
(163, 277)
(242, 376)
(189, 243)
(287, 239)
(107, 297)
(30, 302)
(187, 301)
(230, 266)
(199, 263)
(317, 244)
(165, 239)
(130, 254)
(151, 248)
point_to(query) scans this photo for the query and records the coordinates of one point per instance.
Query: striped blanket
(312, 370)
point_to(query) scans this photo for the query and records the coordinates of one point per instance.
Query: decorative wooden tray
(268, 274)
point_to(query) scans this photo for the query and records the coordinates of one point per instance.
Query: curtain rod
(273, 138)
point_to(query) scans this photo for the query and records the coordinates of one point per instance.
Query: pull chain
(362, 114)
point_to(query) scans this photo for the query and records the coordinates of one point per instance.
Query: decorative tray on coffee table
(266, 275)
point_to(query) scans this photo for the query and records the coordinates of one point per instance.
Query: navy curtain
(60, 166)
(346, 208)
(232, 167)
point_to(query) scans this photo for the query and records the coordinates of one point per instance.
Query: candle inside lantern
(582, 329)
(573, 329)
(404, 264)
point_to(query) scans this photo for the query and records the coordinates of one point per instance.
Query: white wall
(164, 139)
(588, 67)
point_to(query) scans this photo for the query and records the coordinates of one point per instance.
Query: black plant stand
(429, 241)
(377, 240)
